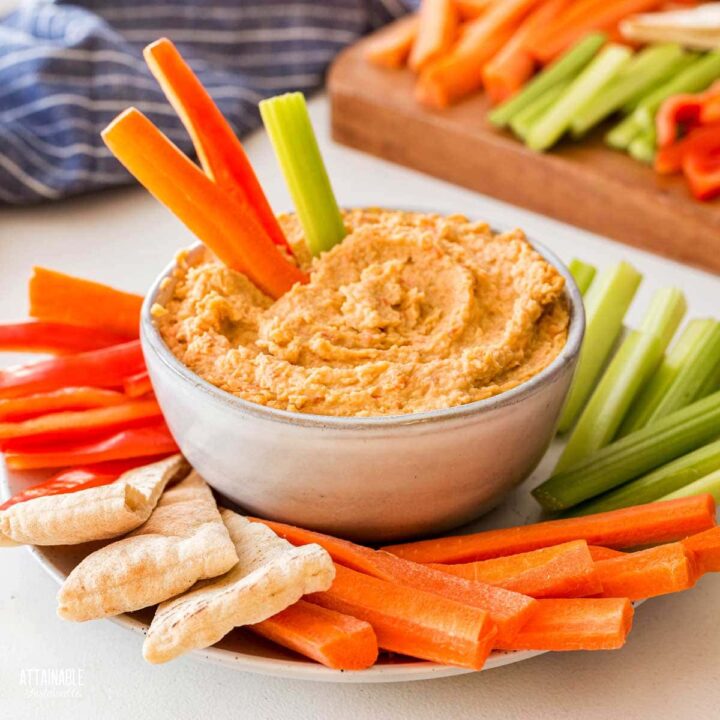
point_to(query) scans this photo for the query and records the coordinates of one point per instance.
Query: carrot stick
(628, 527)
(71, 398)
(411, 621)
(705, 547)
(56, 297)
(565, 570)
(508, 610)
(436, 32)
(232, 233)
(648, 573)
(331, 638)
(471, 9)
(583, 17)
(459, 73)
(137, 385)
(603, 553)
(569, 624)
(220, 152)
(508, 71)
(390, 47)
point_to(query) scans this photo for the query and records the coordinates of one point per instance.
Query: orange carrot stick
(471, 9)
(436, 32)
(331, 638)
(508, 610)
(233, 234)
(570, 624)
(705, 547)
(459, 73)
(220, 152)
(390, 47)
(565, 570)
(411, 621)
(648, 573)
(56, 297)
(603, 553)
(508, 71)
(628, 527)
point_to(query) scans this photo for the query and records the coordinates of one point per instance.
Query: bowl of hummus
(405, 389)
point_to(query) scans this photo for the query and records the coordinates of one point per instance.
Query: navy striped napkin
(67, 69)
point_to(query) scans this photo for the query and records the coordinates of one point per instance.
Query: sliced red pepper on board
(702, 171)
(54, 338)
(705, 140)
(132, 443)
(107, 367)
(681, 113)
(79, 478)
(71, 398)
(77, 425)
(137, 385)
(710, 112)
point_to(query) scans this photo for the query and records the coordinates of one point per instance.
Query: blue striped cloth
(67, 69)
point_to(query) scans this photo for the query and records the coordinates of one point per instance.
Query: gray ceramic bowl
(371, 479)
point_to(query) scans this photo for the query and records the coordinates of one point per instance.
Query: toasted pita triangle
(271, 575)
(97, 513)
(183, 541)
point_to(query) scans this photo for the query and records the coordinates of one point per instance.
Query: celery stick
(623, 133)
(643, 72)
(693, 79)
(685, 352)
(642, 148)
(525, 119)
(601, 70)
(680, 64)
(660, 482)
(674, 435)
(631, 367)
(564, 68)
(583, 273)
(606, 303)
(288, 124)
(708, 484)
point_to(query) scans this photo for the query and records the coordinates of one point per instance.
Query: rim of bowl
(154, 342)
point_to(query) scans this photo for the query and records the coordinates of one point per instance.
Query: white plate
(244, 651)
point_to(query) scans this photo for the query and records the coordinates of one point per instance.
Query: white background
(670, 667)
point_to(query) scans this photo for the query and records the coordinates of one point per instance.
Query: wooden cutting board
(582, 183)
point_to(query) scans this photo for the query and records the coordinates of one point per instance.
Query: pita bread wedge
(271, 575)
(97, 513)
(183, 541)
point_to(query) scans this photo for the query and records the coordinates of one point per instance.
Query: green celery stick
(674, 435)
(642, 148)
(288, 124)
(583, 273)
(686, 352)
(601, 70)
(606, 303)
(680, 64)
(525, 119)
(623, 133)
(708, 484)
(657, 484)
(564, 68)
(643, 72)
(691, 80)
(712, 384)
(634, 363)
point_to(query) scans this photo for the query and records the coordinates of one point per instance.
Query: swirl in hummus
(411, 312)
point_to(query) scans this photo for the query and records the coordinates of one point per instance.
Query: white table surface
(670, 667)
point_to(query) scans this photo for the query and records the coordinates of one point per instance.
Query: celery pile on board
(292, 136)
(606, 303)
(630, 368)
(523, 121)
(676, 434)
(708, 484)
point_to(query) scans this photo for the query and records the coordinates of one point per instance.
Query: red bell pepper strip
(54, 338)
(137, 385)
(79, 478)
(72, 398)
(703, 174)
(681, 113)
(132, 443)
(76, 425)
(704, 140)
(710, 112)
(107, 367)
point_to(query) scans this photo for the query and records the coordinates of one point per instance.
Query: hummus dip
(410, 312)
